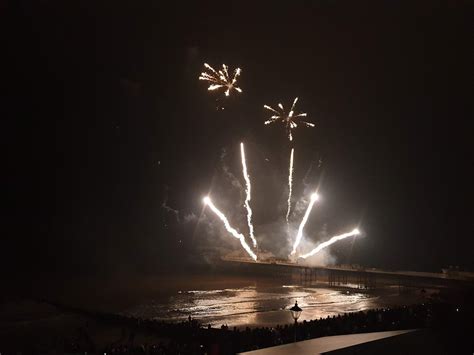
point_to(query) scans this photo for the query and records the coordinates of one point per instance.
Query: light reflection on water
(254, 305)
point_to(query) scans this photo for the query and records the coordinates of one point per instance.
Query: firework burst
(221, 78)
(290, 118)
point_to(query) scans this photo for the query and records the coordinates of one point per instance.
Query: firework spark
(288, 118)
(290, 185)
(329, 242)
(247, 198)
(221, 78)
(222, 217)
(314, 198)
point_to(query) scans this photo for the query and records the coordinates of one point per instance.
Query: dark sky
(104, 119)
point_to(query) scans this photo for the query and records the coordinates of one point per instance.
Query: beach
(213, 300)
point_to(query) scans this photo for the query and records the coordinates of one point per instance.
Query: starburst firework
(290, 118)
(221, 78)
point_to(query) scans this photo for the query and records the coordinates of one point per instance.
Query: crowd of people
(191, 337)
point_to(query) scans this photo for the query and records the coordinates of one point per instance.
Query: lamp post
(295, 313)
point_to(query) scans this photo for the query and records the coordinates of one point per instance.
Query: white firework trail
(290, 185)
(248, 195)
(288, 118)
(231, 230)
(221, 78)
(329, 242)
(314, 198)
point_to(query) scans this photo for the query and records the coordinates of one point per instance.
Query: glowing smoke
(227, 172)
(329, 242)
(314, 198)
(231, 230)
(247, 198)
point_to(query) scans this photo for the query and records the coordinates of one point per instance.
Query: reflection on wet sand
(261, 305)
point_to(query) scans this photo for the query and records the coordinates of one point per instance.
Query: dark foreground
(451, 323)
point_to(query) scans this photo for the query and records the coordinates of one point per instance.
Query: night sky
(106, 122)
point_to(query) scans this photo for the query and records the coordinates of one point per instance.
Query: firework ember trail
(329, 242)
(248, 196)
(314, 198)
(231, 230)
(290, 185)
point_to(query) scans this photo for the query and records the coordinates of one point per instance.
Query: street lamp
(295, 313)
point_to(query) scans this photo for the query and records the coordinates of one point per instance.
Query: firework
(329, 242)
(314, 198)
(221, 79)
(247, 198)
(231, 230)
(290, 184)
(288, 118)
